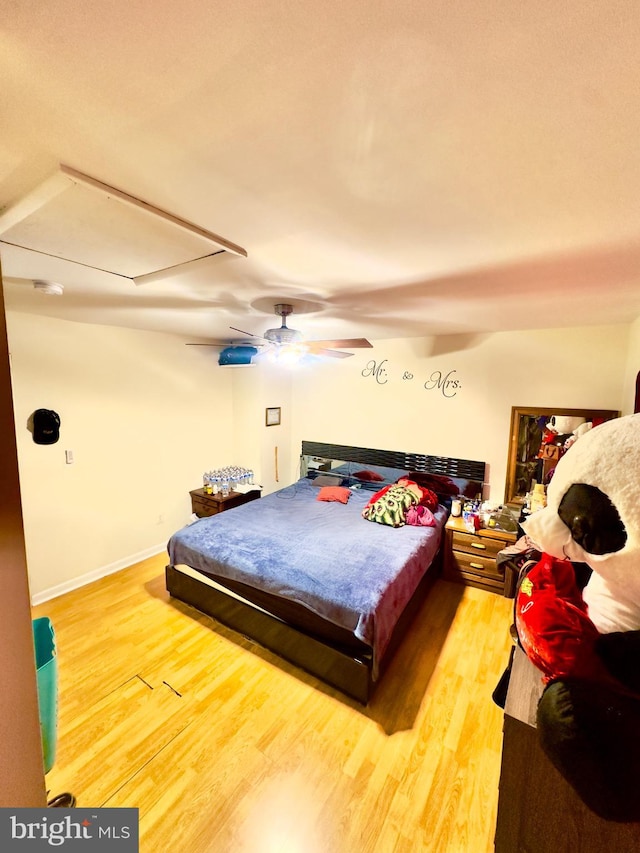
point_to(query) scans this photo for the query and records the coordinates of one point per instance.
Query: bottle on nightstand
(538, 498)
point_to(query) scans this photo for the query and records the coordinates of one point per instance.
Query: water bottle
(225, 486)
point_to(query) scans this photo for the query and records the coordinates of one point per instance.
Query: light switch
(68, 456)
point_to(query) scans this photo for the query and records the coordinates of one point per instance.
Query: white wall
(144, 416)
(344, 402)
(265, 449)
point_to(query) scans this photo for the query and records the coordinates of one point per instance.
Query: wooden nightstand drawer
(476, 565)
(202, 507)
(473, 544)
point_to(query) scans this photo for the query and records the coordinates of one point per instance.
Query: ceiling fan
(290, 341)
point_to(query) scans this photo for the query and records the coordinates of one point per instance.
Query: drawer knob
(480, 545)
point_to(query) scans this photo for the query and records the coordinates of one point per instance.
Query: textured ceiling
(394, 169)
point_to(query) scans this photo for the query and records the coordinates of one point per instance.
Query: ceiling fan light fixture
(50, 288)
(283, 335)
(288, 355)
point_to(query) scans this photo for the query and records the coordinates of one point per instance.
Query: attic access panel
(78, 218)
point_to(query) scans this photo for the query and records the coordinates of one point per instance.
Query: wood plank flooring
(224, 748)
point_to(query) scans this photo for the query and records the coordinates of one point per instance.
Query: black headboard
(463, 468)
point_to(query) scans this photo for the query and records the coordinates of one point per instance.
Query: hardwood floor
(224, 748)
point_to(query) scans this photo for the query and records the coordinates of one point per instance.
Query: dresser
(204, 505)
(538, 811)
(470, 558)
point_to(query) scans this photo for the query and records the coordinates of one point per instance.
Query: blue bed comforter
(355, 573)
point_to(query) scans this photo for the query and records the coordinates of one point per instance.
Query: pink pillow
(334, 493)
(371, 476)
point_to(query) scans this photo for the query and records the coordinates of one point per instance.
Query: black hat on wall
(46, 426)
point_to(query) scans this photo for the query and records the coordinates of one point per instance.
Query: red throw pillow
(370, 476)
(334, 493)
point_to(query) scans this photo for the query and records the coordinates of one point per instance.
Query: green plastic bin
(44, 640)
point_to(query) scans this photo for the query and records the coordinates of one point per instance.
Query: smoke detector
(51, 288)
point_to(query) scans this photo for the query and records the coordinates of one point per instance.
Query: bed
(312, 580)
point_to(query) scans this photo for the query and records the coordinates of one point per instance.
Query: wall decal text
(377, 370)
(447, 383)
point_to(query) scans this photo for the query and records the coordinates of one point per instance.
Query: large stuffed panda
(586, 642)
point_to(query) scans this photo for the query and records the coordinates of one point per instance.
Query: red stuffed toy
(553, 626)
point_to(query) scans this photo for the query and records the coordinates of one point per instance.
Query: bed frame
(350, 673)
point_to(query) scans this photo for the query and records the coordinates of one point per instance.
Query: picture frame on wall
(272, 416)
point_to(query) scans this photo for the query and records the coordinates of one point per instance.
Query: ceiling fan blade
(217, 344)
(345, 343)
(332, 353)
(249, 334)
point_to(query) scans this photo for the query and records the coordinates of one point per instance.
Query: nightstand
(204, 505)
(470, 558)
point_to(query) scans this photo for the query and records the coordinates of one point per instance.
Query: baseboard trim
(96, 574)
